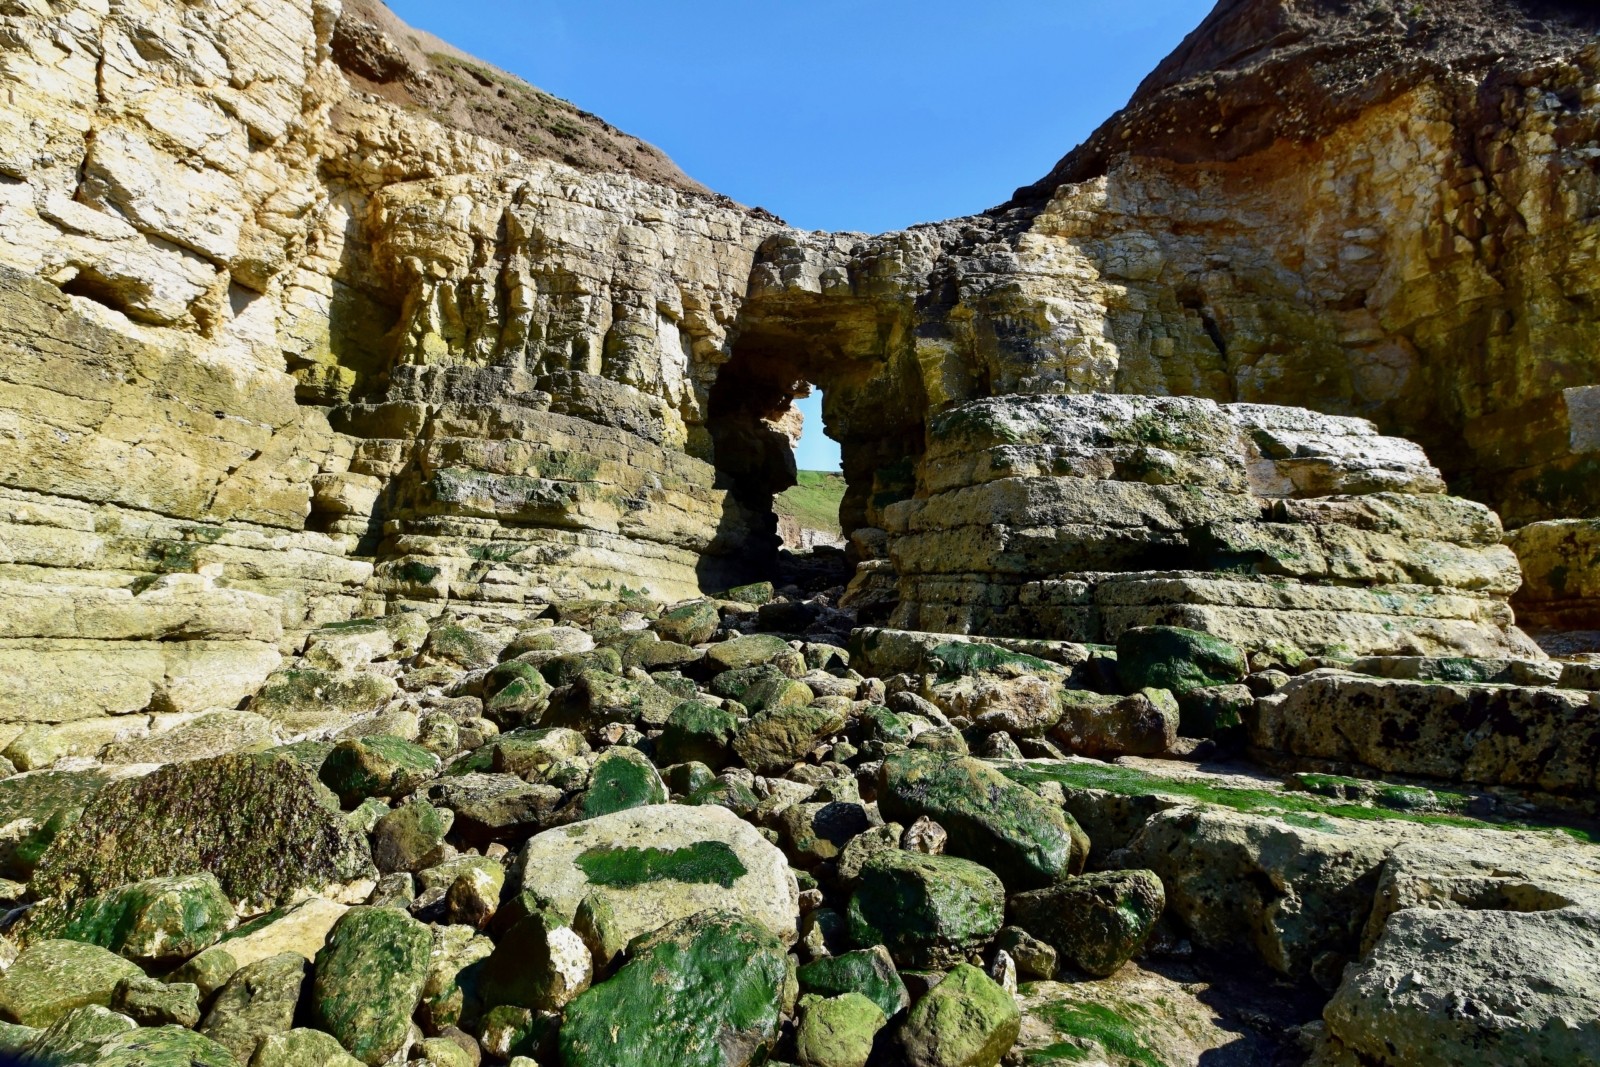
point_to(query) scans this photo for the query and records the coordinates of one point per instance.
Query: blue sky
(835, 114)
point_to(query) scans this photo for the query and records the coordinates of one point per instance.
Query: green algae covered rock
(706, 991)
(690, 624)
(50, 978)
(744, 652)
(410, 837)
(164, 1046)
(262, 825)
(928, 911)
(622, 778)
(696, 732)
(1171, 657)
(1023, 838)
(1096, 921)
(76, 1037)
(837, 1031)
(382, 766)
(368, 980)
(258, 1001)
(776, 739)
(156, 921)
(646, 867)
(597, 698)
(967, 1020)
(152, 1003)
(34, 808)
(302, 1048)
(757, 593)
(869, 972)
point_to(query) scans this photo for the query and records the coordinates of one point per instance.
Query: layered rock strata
(1077, 518)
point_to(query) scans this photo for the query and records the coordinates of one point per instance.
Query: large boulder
(34, 808)
(645, 867)
(164, 1046)
(1490, 988)
(368, 980)
(928, 911)
(257, 1002)
(1096, 921)
(869, 972)
(1293, 893)
(967, 1020)
(262, 825)
(706, 991)
(301, 929)
(1027, 841)
(156, 921)
(837, 1031)
(1104, 727)
(775, 739)
(51, 978)
(622, 778)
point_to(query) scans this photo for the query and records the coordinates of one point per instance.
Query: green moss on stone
(1093, 1029)
(623, 868)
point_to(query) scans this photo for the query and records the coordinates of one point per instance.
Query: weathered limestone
(1080, 517)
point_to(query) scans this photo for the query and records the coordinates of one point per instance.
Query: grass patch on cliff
(814, 501)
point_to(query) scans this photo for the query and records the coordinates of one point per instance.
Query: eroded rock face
(1080, 518)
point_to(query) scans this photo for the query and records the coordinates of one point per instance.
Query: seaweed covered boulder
(368, 979)
(967, 1020)
(164, 1046)
(51, 978)
(706, 991)
(262, 825)
(1029, 842)
(156, 921)
(1095, 921)
(928, 911)
(636, 870)
(623, 778)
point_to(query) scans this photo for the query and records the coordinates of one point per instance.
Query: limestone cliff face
(306, 309)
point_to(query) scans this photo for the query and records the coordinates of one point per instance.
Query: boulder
(928, 911)
(152, 1003)
(257, 1002)
(622, 778)
(76, 1037)
(692, 623)
(153, 922)
(777, 739)
(368, 979)
(869, 972)
(301, 929)
(742, 652)
(381, 766)
(492, 808)
(1096, 921)
(705, 991)
(1497, 988)
(164, 1046)
(1027, 841)
(308, 700)
(50, 978)
(597, 698)
(302, 1048)
(696, 731)
(837, 1031)
(650, 866)
(1294, 893)
(540, 964)
(410, 837)
(967, 1020)
(262, 825)
(1103, 727)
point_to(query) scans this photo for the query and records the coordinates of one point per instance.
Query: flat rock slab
(653, 865)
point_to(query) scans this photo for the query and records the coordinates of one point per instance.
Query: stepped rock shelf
(398, 664)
